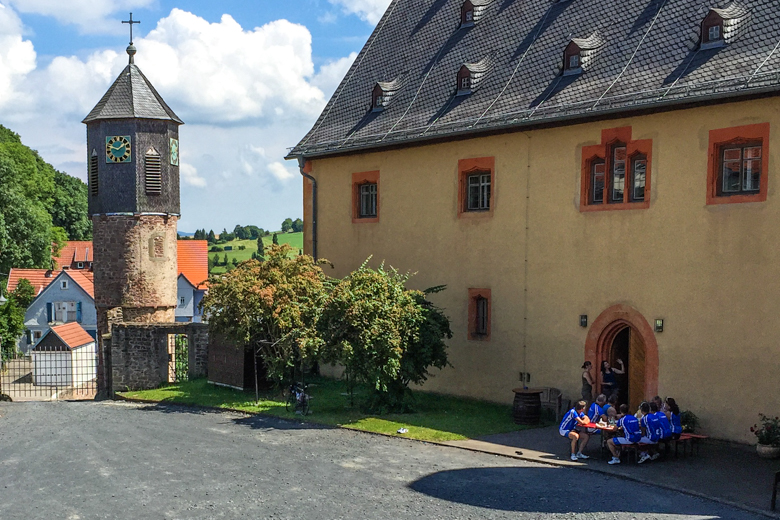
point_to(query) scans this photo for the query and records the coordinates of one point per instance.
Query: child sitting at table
(572, 428)
(629, 425)
(673, 414)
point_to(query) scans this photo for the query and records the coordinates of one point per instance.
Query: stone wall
(138, 353)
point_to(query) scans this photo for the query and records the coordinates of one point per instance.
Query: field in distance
(294, 239)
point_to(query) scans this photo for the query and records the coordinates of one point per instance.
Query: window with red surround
(365, 197)
(476, 187)
(738, 164)
(479, 314)
(616, 173)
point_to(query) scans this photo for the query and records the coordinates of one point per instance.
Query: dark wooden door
(636, 371)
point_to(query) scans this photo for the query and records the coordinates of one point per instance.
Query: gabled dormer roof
(388, 89)
(736, 20)
(132, 96)
(479, 70)
(646, 64)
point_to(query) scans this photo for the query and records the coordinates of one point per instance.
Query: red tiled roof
(84, 281)
(74, 251)
(73, 335)
(193, 256)
(39, 278)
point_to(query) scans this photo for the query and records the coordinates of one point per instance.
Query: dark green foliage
(235, 261)
(212, 238)
(287, 225)
(297, 225)
(216, 249)
(225, 261)
(260, 247)
(689, 421)
(24, 293)
(275, 240)
(69, 209)
(11, 326)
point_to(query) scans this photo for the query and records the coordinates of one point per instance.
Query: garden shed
(65, 356)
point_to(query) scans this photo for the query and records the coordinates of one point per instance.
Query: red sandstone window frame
(737, 136)
(359, 179)
(475, 295)
(604, 153)
(466, 168)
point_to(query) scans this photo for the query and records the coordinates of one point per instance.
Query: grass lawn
(437, 417)
(294, 239)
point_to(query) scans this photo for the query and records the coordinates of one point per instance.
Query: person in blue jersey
(673, 414)
(611, 403)
(629, 425)
(652, 431)
(666, 426)
(572, 428)
(596, 412)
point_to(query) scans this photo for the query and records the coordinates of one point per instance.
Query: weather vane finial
(131, 48)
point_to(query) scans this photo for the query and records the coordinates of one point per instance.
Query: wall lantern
(583, 320)
(659, 325)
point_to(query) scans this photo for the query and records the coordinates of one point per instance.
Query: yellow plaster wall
(711, 272)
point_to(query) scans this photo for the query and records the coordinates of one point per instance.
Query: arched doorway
(622, 333)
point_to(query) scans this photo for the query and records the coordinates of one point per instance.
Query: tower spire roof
(132, 96)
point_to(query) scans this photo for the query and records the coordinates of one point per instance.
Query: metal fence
(49, 374)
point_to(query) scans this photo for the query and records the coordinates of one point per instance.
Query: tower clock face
(118, 149)
(174, 152)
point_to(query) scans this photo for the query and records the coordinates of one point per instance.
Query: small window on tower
(158, 246)
(153, 172)
(93, 173)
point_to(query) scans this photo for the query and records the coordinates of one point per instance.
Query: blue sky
(249, 78)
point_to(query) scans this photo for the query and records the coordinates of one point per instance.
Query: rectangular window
(368, 194)
(713, 33)
(597, 179)
(37, 335)
(480, 326)
(469, 16)
(465, 83)
(618, 173)
(574, 61)
(63, 284)
(181, 301)
(738, 164)
(638, 178)
(93, 174)
(65, 312)
(479, 192)
(479, 314)
(741, 169)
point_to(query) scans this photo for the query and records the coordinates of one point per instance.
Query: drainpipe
(301, 167)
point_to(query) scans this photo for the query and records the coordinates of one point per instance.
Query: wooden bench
(774, 491)
(688, 439)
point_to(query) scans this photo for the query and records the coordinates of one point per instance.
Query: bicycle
(298, 399)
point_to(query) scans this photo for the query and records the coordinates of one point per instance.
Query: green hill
(38, 205)
(294, 239)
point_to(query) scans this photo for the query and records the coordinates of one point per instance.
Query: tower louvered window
(93, 173)
(153, 172)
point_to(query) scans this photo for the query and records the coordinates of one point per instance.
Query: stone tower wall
(135, 266)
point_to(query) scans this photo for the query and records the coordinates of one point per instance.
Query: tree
(69, 207)
(385, 335)
(24, 293)
(275, 240)
(225, 262)
(287, 225)
(11, 327)
(212, 238)
(297, 225)
(272, 306)
(234, 261)
(260, 248)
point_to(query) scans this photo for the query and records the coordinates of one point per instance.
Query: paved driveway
(115, 460)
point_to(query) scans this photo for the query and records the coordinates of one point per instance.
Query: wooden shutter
(153, 172)
(93, 174)
(49, 314)
(78, 312)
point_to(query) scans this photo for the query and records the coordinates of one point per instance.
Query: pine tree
(260, 247)
(275, 239)
(212, 237)
(226, 260)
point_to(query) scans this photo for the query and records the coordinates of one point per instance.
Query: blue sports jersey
(595, 412)
(653, 427)
(630, 425)
(569, 422)
(676, 424)
(666, 426)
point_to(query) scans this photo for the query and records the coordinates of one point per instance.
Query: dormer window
(572, 59)
(464, 81)
(712, 31)
(378, 99)
(471, 75)
(467, 14)
(383, 92)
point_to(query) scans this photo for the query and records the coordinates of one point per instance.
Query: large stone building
(593, 180)
(133, 150)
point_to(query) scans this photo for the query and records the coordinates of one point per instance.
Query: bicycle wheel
(291, 402)
(304, 405)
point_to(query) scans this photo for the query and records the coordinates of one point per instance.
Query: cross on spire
(131, 22)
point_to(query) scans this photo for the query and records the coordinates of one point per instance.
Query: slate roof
(646, 61)
(132, 96)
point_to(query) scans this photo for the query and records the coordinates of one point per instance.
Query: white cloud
(332, 72)
(90, 16)
(17, 57)
(368, 10)
(189, 175)
(280, 171)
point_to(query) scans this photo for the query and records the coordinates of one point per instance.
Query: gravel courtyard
(117, 460)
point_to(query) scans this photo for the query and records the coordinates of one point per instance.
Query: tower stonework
(133, 177)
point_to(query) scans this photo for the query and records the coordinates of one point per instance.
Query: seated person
(611, 403)
(596, 412)
(663, 420)
(659, 403)
(572, 428)
(612, 416)
(652, 432)
(673, 414)
(631, 433)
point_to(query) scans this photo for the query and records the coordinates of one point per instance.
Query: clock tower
(133, 178)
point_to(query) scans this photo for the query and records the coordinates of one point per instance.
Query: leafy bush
(768, 432)
(689, 421)
(216, 249)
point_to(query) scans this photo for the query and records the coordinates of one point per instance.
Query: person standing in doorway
(587, 382)
(609, 386)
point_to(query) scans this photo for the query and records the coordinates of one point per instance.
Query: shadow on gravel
(557, 490)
